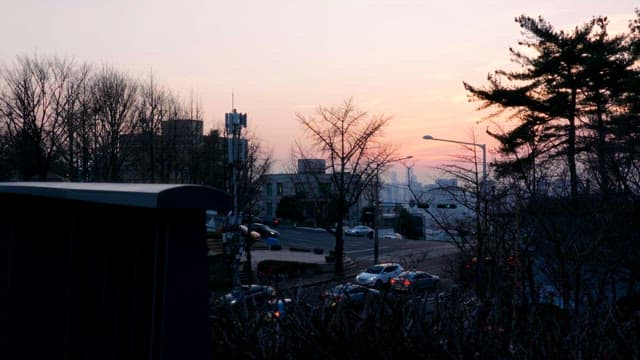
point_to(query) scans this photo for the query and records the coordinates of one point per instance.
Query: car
(265, 231)
(349, 294)
(249, 219)
(262, 299)
(396, 236)
(214, 223)
(256, 296)
(379, 275)
(359, 230)
(414, 281)
(271, 221)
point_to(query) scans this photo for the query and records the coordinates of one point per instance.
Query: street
(361, 248)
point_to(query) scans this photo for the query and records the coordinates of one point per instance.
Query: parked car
(255, 296)
(274, 222)
(414, 281)
(265, 231)
(359, 230)
(348, 294)
(214, 223)
(262, 299)
(249, 219)
(379, 275)
(395, 236)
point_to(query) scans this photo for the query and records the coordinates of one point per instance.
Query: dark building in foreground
(104, 271)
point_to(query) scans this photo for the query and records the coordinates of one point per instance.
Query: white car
(393, 236)
(379, 275)
(359, 230)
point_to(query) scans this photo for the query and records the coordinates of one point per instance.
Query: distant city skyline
(405, 59)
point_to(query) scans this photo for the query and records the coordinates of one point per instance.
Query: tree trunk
(339, 248)
(571, 145)
(602, 156)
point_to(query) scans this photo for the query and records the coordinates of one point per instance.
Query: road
(361, 248)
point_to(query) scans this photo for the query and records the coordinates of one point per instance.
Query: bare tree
(32, 107)
(115, 96)
(70, 106)
(5, 163)
(348, 139)
(257, 164)
(152, 110)
(212, 158)
(313, 191)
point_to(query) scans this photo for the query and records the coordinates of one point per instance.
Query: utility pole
(481, 226)
(234, 122)
(376, 211)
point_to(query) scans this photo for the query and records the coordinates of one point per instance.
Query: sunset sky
(405, 59)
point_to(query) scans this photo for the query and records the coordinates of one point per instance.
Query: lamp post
(480, 190)
(482, 146)
(376, 238)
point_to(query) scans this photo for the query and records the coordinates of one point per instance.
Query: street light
(480, 192)
(376, 238)
(482, 146)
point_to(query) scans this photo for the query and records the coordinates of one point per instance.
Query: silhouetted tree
(548, 86)
(114, 101)
(33, 104)
(152, 109)
(349, 141)
(258, 162)
(212, 159)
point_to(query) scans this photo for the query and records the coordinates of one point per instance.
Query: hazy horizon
(404, 59)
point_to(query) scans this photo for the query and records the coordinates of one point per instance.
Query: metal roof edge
(125, 194)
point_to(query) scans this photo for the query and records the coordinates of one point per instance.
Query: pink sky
(403, 58)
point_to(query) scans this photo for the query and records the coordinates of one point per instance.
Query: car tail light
(406, 282)
(393, 281)
(276, 313)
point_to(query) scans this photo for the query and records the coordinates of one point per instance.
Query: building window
(280, 188)
(299, 188)
(269, 189)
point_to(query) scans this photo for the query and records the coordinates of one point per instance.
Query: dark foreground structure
(104, 271)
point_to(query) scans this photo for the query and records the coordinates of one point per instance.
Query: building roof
(126, 194)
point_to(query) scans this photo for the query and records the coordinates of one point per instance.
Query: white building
(311, 183)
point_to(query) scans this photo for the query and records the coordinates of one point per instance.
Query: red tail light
(276, 313)
(393, 281)
(406, 282)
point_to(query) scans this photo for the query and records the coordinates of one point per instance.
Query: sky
(405, 59)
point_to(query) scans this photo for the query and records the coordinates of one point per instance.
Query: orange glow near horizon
(405, 59)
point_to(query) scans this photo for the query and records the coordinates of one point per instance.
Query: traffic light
(422, 205)
(447, 206)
